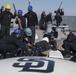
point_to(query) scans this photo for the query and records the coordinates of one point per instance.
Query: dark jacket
(23, 21)
(43, 16)
(49, 18)
(32, 19)
(42, 46)
(12, 40)
(58, 18)
(25, 38)
(71, 38)
(5, 18)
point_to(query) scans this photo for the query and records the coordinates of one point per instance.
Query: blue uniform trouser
(69, 47)
(32, 38)
(5, 31)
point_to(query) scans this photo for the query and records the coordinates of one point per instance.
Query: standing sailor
(32, 21)
(5, 20)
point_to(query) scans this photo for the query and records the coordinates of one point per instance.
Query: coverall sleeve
(13, 16)
(36, 19)
(20, 44)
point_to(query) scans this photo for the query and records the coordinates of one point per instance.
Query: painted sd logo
(35, 65)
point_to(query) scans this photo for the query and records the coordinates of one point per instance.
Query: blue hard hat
(28, 31)
(66, 29)
(17, 31)
(30, 8)
(20, 12)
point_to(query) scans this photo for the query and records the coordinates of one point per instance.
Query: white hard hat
(46, 39)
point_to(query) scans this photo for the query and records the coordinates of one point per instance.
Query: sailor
(52, 42)
(69, 44)
(32, 21)
(41, 46)
(42, 23)
(11, 43)
(2, 9)
(20, 19)
(58, 19)
(27, 40)
(27, 35)
(49, 17)
(5, 20)
(55, 32)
